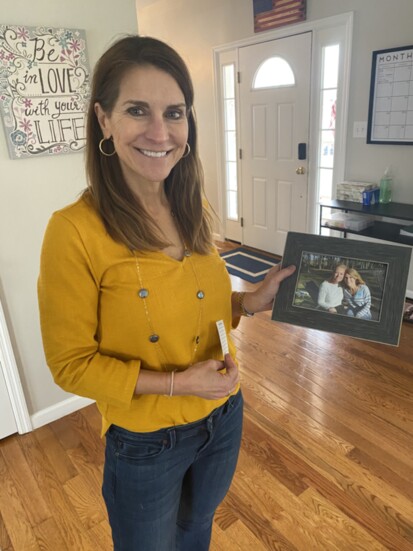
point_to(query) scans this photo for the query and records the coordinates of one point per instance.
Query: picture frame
(390, 116)
(382, 268)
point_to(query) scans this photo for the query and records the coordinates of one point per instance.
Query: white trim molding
(12, 378)
(59, 410)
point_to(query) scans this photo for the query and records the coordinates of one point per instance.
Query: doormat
(248, 265)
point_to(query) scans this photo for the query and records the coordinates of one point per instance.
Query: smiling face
(350, 281)
(338, 274)
(148, 125)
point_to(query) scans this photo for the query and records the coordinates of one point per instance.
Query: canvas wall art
(44, 89)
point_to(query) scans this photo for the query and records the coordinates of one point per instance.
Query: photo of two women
(339, 285)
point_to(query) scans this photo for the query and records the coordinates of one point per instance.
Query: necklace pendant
(153, 337)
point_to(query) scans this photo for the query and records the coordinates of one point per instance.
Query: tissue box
(353, 191)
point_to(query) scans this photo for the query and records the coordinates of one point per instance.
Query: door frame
(12, 378)
(321, 29)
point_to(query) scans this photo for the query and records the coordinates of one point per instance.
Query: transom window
(274, 72)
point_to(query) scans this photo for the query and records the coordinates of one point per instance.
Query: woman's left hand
(263, 297)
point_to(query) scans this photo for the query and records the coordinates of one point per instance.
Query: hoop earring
(101, 148)
(188, 152)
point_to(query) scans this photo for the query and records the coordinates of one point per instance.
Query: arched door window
(274, 72)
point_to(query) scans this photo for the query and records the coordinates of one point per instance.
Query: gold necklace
(154, 337)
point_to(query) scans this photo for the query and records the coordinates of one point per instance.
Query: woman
(356, 295)
(130, 290)
(330, 294)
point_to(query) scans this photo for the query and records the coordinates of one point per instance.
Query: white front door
(274, 120)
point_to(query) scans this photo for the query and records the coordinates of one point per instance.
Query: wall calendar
(390, 118)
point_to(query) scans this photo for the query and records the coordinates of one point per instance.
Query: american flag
(269, 14)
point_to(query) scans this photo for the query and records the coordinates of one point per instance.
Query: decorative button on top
(143, 293)
(200, 294)
(154, 338)
(187, 252)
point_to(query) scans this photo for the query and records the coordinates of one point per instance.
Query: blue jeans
(162, 488)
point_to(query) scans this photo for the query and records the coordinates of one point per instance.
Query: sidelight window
(230, 131)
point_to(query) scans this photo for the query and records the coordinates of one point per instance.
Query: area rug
(248, 265)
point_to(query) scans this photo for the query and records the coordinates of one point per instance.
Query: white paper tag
(223, 337)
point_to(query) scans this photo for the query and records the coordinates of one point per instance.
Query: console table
(387, 231)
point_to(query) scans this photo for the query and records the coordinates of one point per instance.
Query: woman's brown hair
(123, 215)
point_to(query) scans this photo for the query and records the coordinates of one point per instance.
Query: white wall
(194, 27)
(31, 189)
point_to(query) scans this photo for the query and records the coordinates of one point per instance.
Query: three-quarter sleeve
(68, 292)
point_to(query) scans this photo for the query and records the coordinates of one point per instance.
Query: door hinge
(240, 153)
(242, 222)
(238, 77)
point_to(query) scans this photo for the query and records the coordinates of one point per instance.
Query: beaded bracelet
(244, 311)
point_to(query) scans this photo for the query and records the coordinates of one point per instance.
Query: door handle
(300, 170)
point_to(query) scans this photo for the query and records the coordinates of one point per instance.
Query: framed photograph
(354, 288)
(390, 118)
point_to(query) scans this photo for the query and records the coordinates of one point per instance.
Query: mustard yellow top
(95, 329)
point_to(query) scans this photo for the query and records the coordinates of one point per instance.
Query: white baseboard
(409, 294)
(52, 413)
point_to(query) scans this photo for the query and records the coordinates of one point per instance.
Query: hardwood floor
(326, 462)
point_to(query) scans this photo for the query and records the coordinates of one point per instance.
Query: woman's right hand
(206, 379)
